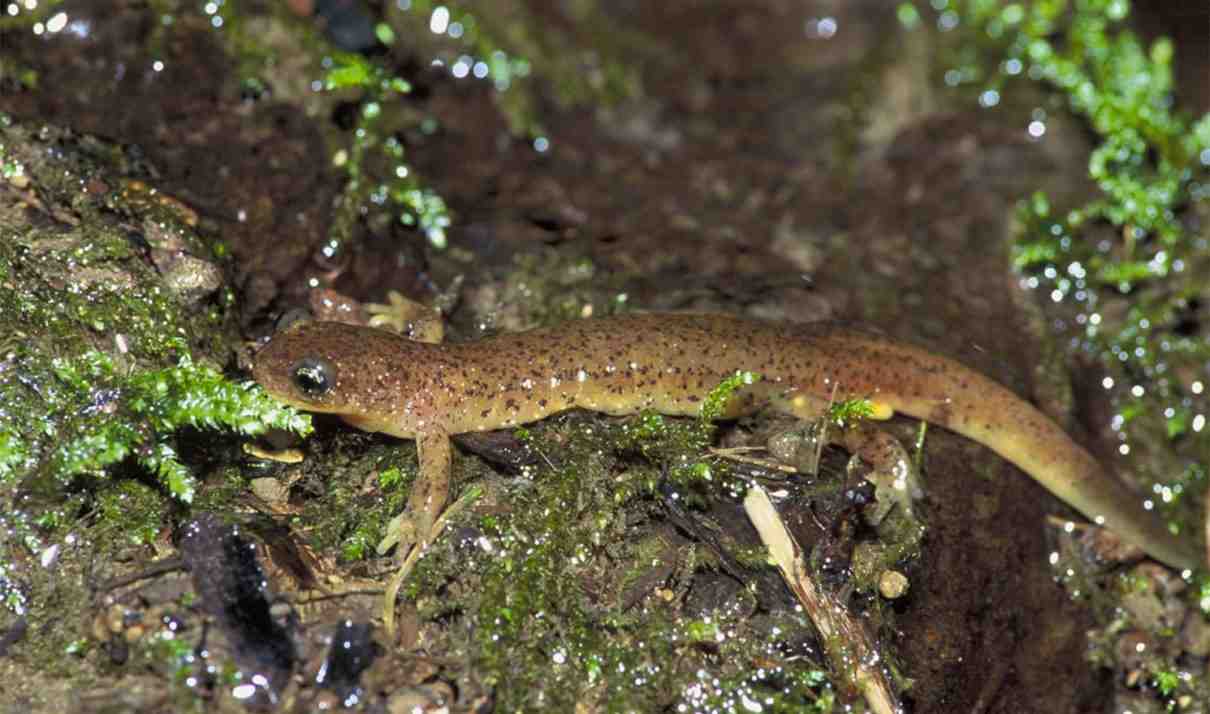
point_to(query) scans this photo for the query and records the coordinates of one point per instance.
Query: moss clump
(133, 512)
(374, 162)
(850, 412)
(145, 410)
(716, 402)
(1150, 156)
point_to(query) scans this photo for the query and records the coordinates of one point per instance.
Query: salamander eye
(313, 376)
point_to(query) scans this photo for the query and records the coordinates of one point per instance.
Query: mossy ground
(565, 590)
(110, 372)
(565, 585)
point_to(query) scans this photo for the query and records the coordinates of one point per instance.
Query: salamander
(382, 382)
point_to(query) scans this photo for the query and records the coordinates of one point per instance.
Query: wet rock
(1195, 635)
(1108, 547)
(1152, 598)
(1137, 703)
(419, 700)
(271, 490)
(799, 447)
(234, 591)
(1134, 649)
(13, 634)
(352, 650)
(711, 592)
(191, 279)
(893, 584)
(258, 291)
(348, 24)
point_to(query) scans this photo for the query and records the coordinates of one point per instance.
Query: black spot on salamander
(511, 404)
(694, 398)
(483, 414)
(541, 402)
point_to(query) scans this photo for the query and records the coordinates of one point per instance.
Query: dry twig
(849, 647)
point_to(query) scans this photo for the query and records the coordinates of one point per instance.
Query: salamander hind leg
(414, 320)
(892, 472)
(896, 481)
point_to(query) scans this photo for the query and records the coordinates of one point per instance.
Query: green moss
(1149, 157)
(850, 411)
(354, 493)
(77, 415)
(715, 403)
(1167, 682)
(374, 162)
(132, 512)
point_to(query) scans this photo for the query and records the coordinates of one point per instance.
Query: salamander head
(359, 373)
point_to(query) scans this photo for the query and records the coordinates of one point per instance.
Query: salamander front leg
(414, 526)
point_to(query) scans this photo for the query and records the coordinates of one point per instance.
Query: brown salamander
(379, 381)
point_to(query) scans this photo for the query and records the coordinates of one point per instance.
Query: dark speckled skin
(669, 362)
